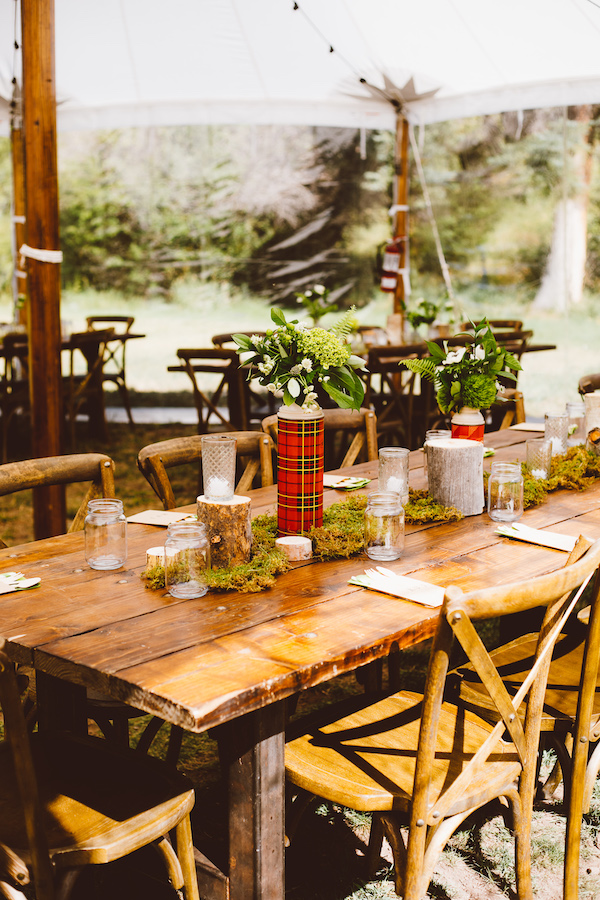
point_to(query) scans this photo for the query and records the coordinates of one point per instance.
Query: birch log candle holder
(155, 556)
(455, 471)
(295, 546)
(229, 530)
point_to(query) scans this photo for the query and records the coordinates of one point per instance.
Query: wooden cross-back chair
(74, 468)
(82, 390)
(225, 365)
(354, 432)
(254, 451)
(70, 801)
(424, 761)
(14, 383)
(571, 715)
(113, 364)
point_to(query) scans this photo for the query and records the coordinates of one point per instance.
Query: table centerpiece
(292, 361)
(466, 377)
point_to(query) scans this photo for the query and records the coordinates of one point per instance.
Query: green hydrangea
(478, 391)
(322, 346)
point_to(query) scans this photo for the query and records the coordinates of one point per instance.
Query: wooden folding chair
(426, 762)
(224, 365)
(82, 390)
(67, 802)
(589, 383)
(113, 364)
(570, 720)
(254, 452)
(350, 435)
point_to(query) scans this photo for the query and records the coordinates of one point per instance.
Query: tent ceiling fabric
(123, 63)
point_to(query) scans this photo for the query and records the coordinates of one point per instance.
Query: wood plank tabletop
(202, 662)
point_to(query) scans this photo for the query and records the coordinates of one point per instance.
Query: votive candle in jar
(218, 467)
(505, 492)
(105, 530)
(384, 526)
(577, 431)
(393, 471)
(556, 430)
(187, 557)
(539, 459)
(434, 434)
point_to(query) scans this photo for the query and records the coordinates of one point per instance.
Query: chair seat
(365, 760)
(98, 802)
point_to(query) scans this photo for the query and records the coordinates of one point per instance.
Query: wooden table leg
(60, 705)
(252, 751)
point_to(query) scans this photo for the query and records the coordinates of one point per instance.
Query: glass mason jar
(393, 471)
(556, 429)
(384, 525)
(218, 467)
(105, 534)
(186, 559)
(434, 434)
(577, 433)
(505, 492)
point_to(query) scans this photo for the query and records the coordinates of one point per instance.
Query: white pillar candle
(295, 547)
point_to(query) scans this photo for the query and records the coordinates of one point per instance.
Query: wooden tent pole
(43, 278)
(401, 206)
(18, 213)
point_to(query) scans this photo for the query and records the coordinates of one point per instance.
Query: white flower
(266, 366)
(271, 387)
(293, 387)
(296, 370)
(325, 378)
(455, 356)
(306, 364)
(478, 352)
(319, 289)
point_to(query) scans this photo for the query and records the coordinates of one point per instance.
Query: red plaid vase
(299, 474)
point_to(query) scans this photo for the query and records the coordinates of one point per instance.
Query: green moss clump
(342, 533)
(575, 470)
(421, 508)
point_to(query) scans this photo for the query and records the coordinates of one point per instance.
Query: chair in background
(226, 340)
(261, 403)
(74, 468)
(231, 386)
(68, 801)
(113, 363)
(589, 383)
(571, 715)
(350, 436)
(497, 325)
(424, 761)
(14, 383)
(254, 452)
(82, 385)
(508, 409)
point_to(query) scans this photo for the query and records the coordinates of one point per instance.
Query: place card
(16, 581)
(551, 539)
(162, 517)
(344, 484)
(529, 426)
(387, 582)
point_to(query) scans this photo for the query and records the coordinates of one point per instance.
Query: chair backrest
(360, 424)
(510, 406)
(92, 321)
(254, 451)
(226, 363)
(556, 593)
(223, 340)
(589, 383)
(97, 468)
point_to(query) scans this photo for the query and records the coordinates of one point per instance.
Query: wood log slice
(229, 530)
(455, 472)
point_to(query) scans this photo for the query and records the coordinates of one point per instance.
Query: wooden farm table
(232, 659)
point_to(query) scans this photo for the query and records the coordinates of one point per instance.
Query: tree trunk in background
(562, 283)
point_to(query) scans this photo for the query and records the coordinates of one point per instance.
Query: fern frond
(425, 367)
(343, 327)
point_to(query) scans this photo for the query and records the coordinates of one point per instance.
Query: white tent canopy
(141, 62)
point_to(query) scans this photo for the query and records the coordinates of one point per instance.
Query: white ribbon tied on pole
(49, 256)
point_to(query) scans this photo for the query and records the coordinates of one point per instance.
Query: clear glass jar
(577, 433)
(105, 531)
(393, 471)
(186, 559)
(431, 436)
(218, 467)
(556, 430)
(505, 492)
(539, 458)
(384, 525)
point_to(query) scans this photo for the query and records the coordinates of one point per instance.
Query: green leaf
(243, 341)
(344, 401)
(278, 317)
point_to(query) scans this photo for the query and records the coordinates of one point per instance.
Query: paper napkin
(159, 517)
(16, 581)
(386, 581)
(535, 536)
(344, 484)
(528, 426)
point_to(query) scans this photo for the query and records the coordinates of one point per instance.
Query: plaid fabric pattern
(470, 432)
(299, 475)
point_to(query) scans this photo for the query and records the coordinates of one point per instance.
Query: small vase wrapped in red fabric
(300, 459)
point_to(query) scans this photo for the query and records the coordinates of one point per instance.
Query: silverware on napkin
(387, 582)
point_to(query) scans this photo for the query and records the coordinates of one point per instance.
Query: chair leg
(185, 852)
(125, 400)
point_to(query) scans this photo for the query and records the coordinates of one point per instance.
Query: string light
(593, 2)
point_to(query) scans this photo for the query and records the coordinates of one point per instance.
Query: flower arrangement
(316, 302)
(467, 375)
(293, 359)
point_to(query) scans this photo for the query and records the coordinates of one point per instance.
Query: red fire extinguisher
(390, 266)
